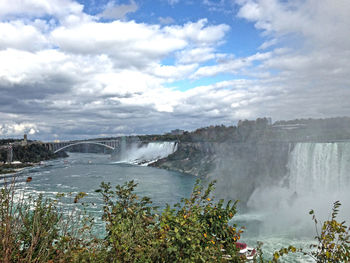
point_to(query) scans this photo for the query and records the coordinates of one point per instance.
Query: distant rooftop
(288, 126)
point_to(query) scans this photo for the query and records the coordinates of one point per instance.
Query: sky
(90, 68)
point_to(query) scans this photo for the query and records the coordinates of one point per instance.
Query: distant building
(269, 121)
(25, 140)
(9, 154)
(177, 132)
(288, 126)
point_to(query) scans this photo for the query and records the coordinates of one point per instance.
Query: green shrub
(195, 230)
(37, 230)
(333, 241)
(28, 228)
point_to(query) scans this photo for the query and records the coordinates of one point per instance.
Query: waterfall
(318, 174)
(147, 153)
(319, 167)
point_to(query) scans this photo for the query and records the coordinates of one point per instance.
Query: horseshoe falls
(312, 169)
(315, 167)
(318, 174)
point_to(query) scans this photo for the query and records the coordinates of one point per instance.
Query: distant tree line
(260, 130)
(34, 152)
(7, 141)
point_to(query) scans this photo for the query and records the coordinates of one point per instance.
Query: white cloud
(73, 74)
(196, 55)
(16, 34)
(132, 44)
(268, 43)
(250, 10)
(217, 6)
(226, 100)
(322, 22)
(40, 8)
(18, 67)
(214, 3)
(79, 74)
(166, 20)
(16, 129)
(199, 33)
(114, 11)
(122, 40)
(173, 2)
(171, 73)
(310, 62)
(103, 77)
(230, 65)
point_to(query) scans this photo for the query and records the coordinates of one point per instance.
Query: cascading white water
(147, 153)
(319, 167)
(318, 175)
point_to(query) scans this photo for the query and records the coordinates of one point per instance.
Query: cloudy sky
(92, 68)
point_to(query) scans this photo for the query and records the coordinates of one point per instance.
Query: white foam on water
(145, 154)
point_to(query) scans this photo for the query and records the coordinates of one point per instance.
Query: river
(269, 220)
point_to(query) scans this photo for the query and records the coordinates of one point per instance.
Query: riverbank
(10, 170)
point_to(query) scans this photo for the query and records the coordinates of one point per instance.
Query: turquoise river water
(83, 172)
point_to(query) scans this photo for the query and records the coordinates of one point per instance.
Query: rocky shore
(192, 158)
(14, 168)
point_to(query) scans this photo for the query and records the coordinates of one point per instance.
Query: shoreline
(11, 172)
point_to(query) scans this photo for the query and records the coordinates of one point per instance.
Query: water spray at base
(318, 175)
(144, 153)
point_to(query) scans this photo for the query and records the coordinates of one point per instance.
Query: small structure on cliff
(177, 132)
(25, 141)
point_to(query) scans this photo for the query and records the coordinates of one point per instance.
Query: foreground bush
(37, 230)
(27, 235)
(194, 230)
(332, 241)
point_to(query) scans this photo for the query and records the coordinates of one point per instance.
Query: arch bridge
(60, 146)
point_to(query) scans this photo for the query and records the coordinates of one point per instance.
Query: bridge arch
(96, 143)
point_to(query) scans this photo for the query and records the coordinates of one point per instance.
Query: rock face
(237, 167)
(255, 154)
(198, 159)
(242, 167)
